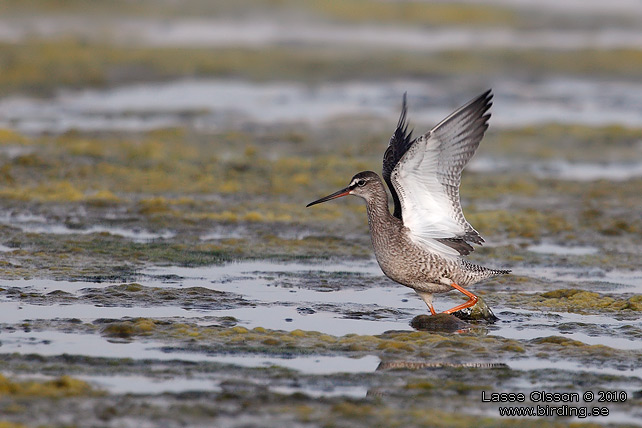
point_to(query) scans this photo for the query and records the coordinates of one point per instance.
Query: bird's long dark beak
(338, 194)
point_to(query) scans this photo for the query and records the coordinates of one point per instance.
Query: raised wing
(400, 142)
(428, 175)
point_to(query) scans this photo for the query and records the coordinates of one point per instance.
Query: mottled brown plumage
(420, 245)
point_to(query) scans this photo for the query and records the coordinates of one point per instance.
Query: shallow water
(349, 308)
(146, 385)
(268, 31)
(336, 298)
(559, 169)
(215, 104)
(561, 250)
(49, 343)
(30, 223)
(613, 280)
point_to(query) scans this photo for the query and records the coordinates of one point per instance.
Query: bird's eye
(361, 182)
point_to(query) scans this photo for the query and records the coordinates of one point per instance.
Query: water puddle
(560, 169)
(318, 364)
(18, 312)
(355, 391)
(183, 32)
(575, 7)
(30, 223)
(130, 384)
(52, 343)
(512, 326)
(207, 104)
(149, 385)
(13, 152)
(562, 250)
(578, 171)
(597, 279)
(540, 364)
(152, 385)
(290, 318)
(229, 271)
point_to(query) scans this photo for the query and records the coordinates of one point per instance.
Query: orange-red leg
(472, 300)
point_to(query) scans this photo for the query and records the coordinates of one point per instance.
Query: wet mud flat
(157, 277)
(157, 306)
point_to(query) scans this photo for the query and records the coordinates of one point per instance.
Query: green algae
(573, 142)
(413, 12)
(164, 188)
(136, 294)
(352, 11)
(41, 66)
(529, 223)
(63, 386)
(369, 414)
(102, 256)
(127, 329)
(7, 424)
(414, 346)
(394, 398)
(435, 346)
(578, 300)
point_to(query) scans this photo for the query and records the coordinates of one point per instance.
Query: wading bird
(422, 243)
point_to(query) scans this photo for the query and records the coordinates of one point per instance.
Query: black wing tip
(399, 143)
(483, 102)
(487, 95)
(402, 123)
(479, 108)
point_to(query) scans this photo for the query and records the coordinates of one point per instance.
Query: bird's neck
(378, 211)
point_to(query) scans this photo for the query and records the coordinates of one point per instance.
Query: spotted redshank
(422, 244)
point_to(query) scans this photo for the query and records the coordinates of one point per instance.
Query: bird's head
(363, 184)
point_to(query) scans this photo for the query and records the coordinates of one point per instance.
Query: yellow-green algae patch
(127, 329)
(349, 11)
(7, 424)
(64, 386)
(529, 223)
(573, 142)
(42, 65)
(577, 300)
(413, 414)
(411, 345)
(56, 191)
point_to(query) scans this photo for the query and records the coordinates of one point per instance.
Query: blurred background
(137, 66)
(228, 81)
